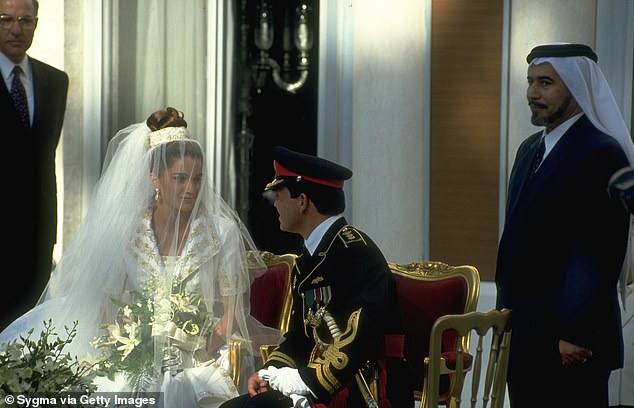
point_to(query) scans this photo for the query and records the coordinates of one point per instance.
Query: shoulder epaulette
(349, 235)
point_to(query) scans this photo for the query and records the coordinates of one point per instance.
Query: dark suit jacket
(561, 253)
(350, 270)
(33, 187)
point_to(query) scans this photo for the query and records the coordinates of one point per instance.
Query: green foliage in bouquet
(155, 314)
(128, 347)
(41, 366)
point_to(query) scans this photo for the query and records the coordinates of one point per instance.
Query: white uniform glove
(286, 380)
(300, 401)
(263, 373)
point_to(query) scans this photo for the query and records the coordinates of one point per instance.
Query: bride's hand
(217, 337)
(221, 326)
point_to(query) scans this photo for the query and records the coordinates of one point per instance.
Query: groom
(341, 284)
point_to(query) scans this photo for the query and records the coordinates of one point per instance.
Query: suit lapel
(39, 91)
(520, 175)
(558, 156)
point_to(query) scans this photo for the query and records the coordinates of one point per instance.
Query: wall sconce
(302, 40)
(256, 47)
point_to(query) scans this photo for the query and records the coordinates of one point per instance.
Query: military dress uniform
(347, 277)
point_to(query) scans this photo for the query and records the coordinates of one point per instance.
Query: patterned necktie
(539, 155)
(19, 97)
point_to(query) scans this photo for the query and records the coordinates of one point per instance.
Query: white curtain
(184, 60)
(171, 60)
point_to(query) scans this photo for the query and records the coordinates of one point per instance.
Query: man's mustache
(537, 104)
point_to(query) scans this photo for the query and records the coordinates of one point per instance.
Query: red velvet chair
(271, 299)
(271, 302)
(426, 292)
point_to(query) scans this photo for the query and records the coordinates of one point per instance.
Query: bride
(158, 277)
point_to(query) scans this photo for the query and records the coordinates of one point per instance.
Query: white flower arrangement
(41, 366)
(128, 345)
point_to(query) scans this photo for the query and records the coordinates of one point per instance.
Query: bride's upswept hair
(173, 150)
(169, 117)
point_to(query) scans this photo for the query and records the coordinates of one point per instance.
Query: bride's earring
(157, 194)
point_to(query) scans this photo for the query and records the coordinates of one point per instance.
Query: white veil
(116, 252)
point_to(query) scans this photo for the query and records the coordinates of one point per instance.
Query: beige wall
(48, 43)
(388, 125)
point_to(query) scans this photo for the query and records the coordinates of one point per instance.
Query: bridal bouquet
(158, 315)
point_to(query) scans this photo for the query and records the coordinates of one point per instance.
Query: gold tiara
(167, 134)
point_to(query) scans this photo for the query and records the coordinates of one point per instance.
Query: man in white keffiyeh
(564, 245)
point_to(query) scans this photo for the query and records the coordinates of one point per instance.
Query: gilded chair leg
(235, 359)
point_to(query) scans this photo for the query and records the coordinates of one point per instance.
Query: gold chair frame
(496, 321)
(271, 259)
(435, 270)
(432, 271)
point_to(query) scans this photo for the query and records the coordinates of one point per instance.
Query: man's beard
(539, 120)
(555, 117)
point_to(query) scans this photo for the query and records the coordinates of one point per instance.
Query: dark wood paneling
(466, 52)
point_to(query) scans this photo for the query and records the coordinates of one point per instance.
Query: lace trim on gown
(209, 382)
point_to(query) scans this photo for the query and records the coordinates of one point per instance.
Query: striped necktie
(19, 97)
